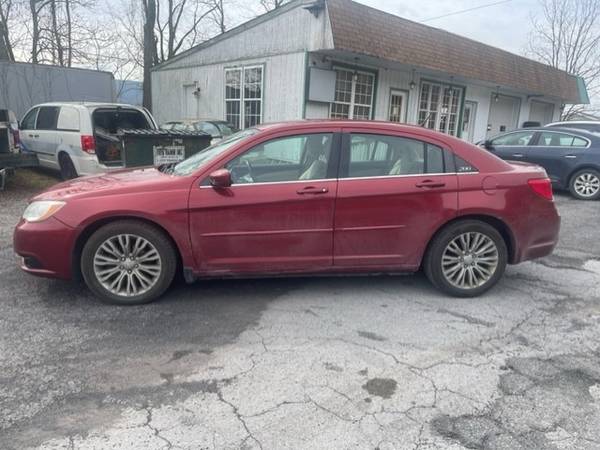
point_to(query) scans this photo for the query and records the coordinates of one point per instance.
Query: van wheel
(585, 184)
(128, 263)
(67, 169)
(466, 258)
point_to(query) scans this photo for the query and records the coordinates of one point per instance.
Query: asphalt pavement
(308, 363)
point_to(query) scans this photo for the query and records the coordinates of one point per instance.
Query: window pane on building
(243, 96)
(233, 84)
(353, 95)
(439, 107)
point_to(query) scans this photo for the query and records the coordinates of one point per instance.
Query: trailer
(11, 155)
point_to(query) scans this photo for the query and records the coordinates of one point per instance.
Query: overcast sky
(505, 25)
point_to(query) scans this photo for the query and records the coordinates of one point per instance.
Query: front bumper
(45, 248)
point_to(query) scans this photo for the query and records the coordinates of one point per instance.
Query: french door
(439, 107)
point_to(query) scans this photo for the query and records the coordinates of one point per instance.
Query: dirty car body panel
(348, 210)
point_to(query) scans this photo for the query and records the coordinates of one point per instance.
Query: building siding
(284, 77)
(293, 30)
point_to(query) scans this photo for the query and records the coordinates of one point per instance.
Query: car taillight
(542, 187)
(16, 138)
(88, 144)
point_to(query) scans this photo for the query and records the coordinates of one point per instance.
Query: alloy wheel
(470, 260)
(587, 184)
(127, 265)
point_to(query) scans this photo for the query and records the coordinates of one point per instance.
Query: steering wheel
(249, 170)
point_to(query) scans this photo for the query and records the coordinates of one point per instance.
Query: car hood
(123, 181)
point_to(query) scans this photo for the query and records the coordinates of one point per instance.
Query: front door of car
(558, 153)
(277, 215)
(27, 134)
(512, 146)
(393, 193)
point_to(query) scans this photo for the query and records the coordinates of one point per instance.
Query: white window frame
(242, 100)
(352, 102)
(438, 112)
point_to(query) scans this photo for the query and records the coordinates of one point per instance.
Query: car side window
(374, 155)
(548, 139)
(68, 119)
(46, 118)
(28, 122)
(291, 158)
(520, 138)
(435, 159)
(463, 166)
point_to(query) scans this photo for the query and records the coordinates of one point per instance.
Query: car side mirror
(220, 178)
(487, 144)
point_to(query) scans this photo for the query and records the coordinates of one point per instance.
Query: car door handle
(571, 156)
(312, 190)
(518, 155)
(430, 184)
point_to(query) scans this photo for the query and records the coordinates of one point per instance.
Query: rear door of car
(512, 146)
(68, 128)
(277, 216)
(394, 190)
(557, 152)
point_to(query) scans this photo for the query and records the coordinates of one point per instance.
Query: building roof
(364, 30)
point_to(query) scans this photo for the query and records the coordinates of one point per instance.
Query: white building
(340, 59)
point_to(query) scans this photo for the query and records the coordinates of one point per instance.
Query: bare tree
(34, 9)
(178, 24)
(218, 15)
(567, 36)
(149, 49)
(270, 5)
(6, 49)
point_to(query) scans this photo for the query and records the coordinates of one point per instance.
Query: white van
(65, 135)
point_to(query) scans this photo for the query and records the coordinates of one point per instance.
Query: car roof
(556, 129)
(90, 105)
(578, 122)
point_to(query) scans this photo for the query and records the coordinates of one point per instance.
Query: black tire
(67, 169)
(162, 244)
(433, 259)
(573, 188)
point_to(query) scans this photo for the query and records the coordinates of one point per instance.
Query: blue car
(571, 157)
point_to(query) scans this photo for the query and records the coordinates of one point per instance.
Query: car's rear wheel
(128, 262)
(585, 184)
(466, 258)
(67, 169)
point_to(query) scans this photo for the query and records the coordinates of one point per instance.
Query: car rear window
(112, 120)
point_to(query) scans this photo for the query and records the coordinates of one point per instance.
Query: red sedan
(310, 197)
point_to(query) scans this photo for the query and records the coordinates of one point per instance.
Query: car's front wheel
(128, 262)
(585, 184)
(466, 258)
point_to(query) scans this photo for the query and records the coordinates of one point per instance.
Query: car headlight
(41, 210)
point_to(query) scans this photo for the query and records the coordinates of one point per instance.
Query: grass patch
(31, 180)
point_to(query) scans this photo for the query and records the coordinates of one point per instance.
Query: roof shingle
(364, 30)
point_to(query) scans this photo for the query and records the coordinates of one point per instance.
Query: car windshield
(196, 161)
